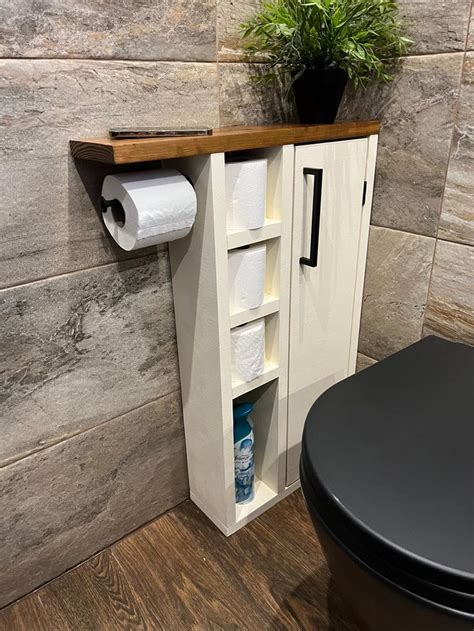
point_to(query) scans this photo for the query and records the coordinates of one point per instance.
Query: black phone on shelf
(153, 132)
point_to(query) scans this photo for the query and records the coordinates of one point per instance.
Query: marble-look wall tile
(436, 25)
(230, 15)
(82, 348)
(457, 215)
(63, 504)
(48, 224)
(450, 309)
(180, 30)
(395, 292)
(470, 36)
(417, 111)
(244, 102)
(364, 362)
(433, 25)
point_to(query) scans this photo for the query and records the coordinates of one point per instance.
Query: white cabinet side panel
(362, 256)
(283, 208)
(199, 274)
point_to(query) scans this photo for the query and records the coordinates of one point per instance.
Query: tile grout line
(247, 61)
(448, 162)
(415, 234)
(84, 269)
(55, 443)
(195, 61)
(113, 59)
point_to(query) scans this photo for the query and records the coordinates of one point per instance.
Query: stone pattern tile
(48, 224)
(470, 37)
(417, 112)
(457, 215)
(433, 25)
(244, 102)
(230, 15)
(178, 31)
(436, 25)
(395, 292)
(82, 348)
(450, 309)
(63, 504)
(364, 362)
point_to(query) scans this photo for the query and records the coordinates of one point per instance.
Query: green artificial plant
(361, 37)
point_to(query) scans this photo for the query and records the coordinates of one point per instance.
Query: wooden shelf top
(222, 140)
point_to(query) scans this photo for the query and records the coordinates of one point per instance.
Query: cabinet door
(328, 190)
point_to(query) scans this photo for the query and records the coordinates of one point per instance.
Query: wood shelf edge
(223, 139)
(96, 150)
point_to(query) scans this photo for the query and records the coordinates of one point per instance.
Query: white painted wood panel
(199, 266)
(323, 299)
(362, 254)
(269, 305)
(201, 300)
(237, 238)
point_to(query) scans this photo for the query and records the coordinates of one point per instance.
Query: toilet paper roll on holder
(118, 212)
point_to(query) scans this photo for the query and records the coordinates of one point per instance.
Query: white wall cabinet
(311, 313)
(330, 182)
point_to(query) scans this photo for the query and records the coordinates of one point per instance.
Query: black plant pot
(318, 94)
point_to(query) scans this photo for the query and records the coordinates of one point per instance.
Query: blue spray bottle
(244, 453)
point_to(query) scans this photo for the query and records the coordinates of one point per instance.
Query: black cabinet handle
(312, 261)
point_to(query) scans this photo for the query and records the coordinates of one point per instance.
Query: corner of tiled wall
(420, 267)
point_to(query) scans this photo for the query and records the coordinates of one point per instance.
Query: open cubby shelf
(204, 319)
(263, 495)
(239, 238)
(270, 305)
(242, 387)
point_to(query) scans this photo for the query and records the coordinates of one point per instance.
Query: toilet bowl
(387, 471)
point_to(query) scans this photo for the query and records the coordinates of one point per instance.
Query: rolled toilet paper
(153, 207)
(246, 193)
(248, 351)
(247, 277)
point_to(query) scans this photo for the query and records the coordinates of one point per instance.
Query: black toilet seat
(387, 467)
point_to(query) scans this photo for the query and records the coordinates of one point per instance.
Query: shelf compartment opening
(265, 428)
(271, 289)
(271, 369)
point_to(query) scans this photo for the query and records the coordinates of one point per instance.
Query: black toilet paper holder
(118, 212)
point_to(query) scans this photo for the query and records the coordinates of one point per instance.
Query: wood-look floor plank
(97, 596)
(110, 588)
(292, 517)
(195, 590)
(180, 572)
(26, 616)
(247, 560)
(272, 575)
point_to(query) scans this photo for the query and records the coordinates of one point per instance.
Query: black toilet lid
(389, 455)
